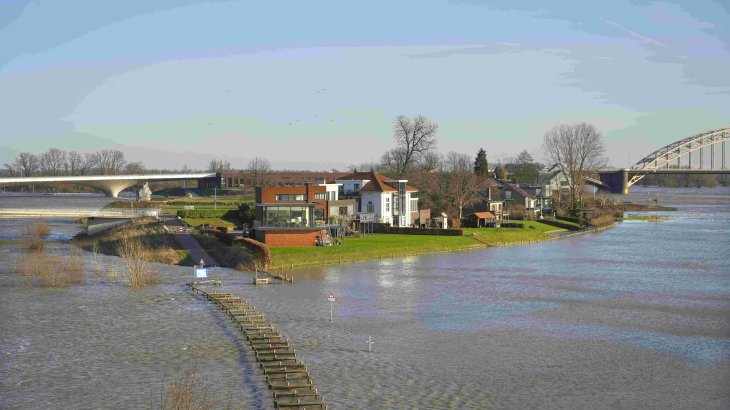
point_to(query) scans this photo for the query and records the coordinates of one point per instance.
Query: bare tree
(462, 188)
(134, 168)
(576, 149)
(101, 160)
(259, 169)
(457, 162)
(415, 139)
(523, 158)
(431, 161)
(116, 161)
(86, 165)
(27, 163)
(74, 163)
(218, 165)
(52, 161)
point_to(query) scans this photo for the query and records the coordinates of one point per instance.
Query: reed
(137, 269)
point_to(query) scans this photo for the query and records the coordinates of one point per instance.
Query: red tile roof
(483, 215)
(375, 182)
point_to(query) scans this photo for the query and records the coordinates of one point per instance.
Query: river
(636, 316)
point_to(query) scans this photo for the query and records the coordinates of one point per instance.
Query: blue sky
(317, 86)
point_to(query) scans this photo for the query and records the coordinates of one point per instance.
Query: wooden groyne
(288, 379)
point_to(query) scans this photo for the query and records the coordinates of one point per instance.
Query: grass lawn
(229, 222)
(371, 247)
(172, 208)
(499, 235)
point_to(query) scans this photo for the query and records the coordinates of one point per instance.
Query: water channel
(636, 316)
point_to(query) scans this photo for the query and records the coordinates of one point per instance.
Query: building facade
(388, 200)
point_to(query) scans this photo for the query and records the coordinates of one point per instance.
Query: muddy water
(632, 317)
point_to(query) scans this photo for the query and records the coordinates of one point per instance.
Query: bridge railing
(81, 212)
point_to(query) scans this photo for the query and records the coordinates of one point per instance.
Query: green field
(227, 222)
(372, 247)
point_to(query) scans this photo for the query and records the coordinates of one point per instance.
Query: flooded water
(632, 317)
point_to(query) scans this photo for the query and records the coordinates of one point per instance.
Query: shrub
(50, 270)
(517, 212)
(512, 225)
(601, 220)
(138, 271)
(533, 227)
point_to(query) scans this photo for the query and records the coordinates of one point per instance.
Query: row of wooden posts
(289, 380)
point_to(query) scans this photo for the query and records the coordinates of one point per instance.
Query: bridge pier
(112, 188)
(617, 182)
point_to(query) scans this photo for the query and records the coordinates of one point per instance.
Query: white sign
(367, 217)
(189, 207)
(201, 273)
(331, 297)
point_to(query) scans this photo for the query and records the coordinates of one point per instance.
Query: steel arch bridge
(668, 160)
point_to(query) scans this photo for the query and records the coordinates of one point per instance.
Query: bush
(516, 212)
(533, 227)
(602, 220)
(578, 221)
(138, 271)
(51, 270)
(208, 213)
(455, 223)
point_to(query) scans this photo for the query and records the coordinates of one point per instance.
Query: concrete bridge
(110, 185)
(122, 213)
(658, 162)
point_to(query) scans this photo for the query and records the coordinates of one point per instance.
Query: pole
(215, 194)
(330, 311)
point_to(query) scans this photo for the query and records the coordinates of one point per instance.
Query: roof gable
(518, 190)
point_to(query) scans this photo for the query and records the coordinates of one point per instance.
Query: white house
(389, 200)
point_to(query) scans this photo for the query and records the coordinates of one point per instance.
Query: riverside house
(488, 200)
(384, 199)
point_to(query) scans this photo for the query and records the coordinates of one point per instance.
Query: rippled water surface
(632, 317)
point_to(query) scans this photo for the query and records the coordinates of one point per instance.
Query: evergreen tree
(481, 167)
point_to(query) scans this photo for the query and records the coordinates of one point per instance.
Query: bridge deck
(77, 213)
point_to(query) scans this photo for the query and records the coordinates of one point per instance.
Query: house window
(414, 204)
(508, 195)
(371, 207)
(395, 202)
(319, 196)
(223, 182)
(230, 181)
(357, 187)
(538, 190)
(387, 204)
(286, 197)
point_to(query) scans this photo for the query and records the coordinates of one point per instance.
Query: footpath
(557, 235)
(188, 242)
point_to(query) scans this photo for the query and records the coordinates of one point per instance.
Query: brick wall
(287, 238)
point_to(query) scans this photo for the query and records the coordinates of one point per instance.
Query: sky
(317, 85)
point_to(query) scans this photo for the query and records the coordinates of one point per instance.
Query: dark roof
(494, 195)
(519, 191)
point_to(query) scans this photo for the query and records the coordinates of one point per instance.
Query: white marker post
(331, 298)
(370, 344)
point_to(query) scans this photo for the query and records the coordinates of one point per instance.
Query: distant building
(245, 179)
(488, 201)
(514, 195)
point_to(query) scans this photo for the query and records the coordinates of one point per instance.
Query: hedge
(578, 221)
(255, 246)
(201, 203)
(208, 213)
(559, 224)
(512, 225)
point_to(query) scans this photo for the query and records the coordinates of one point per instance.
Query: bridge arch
(679, 149)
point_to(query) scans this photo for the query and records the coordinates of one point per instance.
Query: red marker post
(331, 298)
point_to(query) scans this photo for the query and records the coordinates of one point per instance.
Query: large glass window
(288, 216)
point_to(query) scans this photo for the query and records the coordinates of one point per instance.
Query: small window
(414, 204)
(282, 197)
(319, 196)
(357, 187)
(508, 195)
(538, 190)
(371, 207)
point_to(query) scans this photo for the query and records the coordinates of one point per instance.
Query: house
(224, 180)
(388, 200)
(542, 196)
(514, 195)
(479, 220)
(488, 200)
(290, 216)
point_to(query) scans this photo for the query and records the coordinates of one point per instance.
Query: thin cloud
(633, 34)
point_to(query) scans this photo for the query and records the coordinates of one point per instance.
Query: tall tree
(27, 163)
(116, 161)
(576, 149)
(259, 168)
(481, 167)
(457, 162)
(219, 165)
(101, 160)
(463, 185)
(499, 172)
(52, 161)
(415, 138)
(523, 158)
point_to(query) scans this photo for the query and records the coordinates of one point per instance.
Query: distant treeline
(686, 181)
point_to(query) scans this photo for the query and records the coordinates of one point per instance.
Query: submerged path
(289, 380)
(188, 242)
